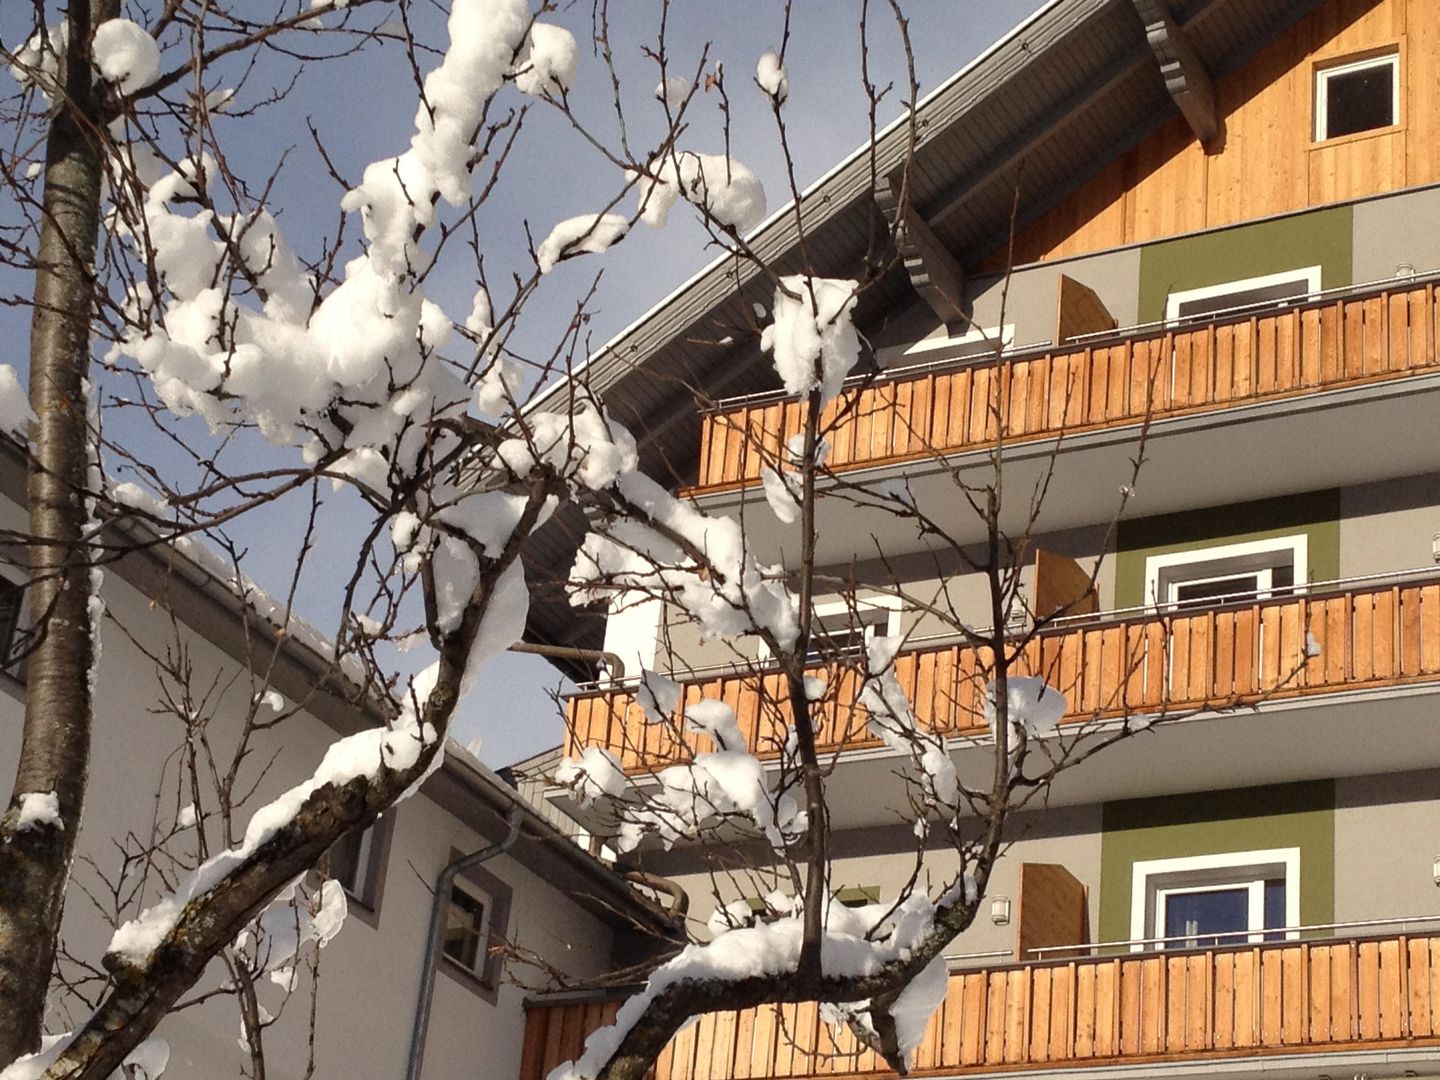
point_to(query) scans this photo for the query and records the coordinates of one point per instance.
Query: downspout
(614, 666)
(443, 885)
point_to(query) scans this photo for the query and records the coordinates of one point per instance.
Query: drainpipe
(443, 885)
(614, 666)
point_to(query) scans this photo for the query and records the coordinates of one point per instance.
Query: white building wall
(369, 975)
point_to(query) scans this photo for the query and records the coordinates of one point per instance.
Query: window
(969, 345)
(842, 630)
(1247, 294)
(355, 863)
(1222, 899)
(1257, 569)
(466, 929)
(13, 638)
(1362, 95)
(856, 896)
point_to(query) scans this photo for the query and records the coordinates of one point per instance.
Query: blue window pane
(1199, 916)
(1274, 908)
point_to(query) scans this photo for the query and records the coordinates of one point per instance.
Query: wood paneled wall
(1269, 163)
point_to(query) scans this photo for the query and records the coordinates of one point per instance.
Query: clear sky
(364, 107)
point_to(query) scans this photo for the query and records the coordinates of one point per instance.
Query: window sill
(1359, 136)
(488, 989)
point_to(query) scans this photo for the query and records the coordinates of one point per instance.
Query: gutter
(443, 884)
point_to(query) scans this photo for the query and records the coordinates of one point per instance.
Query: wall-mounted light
(1435, 869)
(1435, 547)
(1405, 270)
(1000, 907)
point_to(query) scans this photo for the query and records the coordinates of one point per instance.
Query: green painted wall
(1321, 238)
(1208, 823)
(1316, 514)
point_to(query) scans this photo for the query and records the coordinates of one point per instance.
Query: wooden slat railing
(1331, 638)
(1241, 1001)
(1316, 346)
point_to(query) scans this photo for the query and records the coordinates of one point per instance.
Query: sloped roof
(1039, 113)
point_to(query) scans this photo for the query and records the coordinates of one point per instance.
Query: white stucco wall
(369, 975)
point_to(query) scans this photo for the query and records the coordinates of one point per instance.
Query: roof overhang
(1033, 118)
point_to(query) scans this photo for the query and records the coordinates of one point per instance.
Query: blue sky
(363, 107)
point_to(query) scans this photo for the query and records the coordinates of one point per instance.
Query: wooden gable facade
(1267, 161)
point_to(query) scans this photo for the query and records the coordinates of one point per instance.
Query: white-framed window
(979, 341)
(1361, 95)
(467, 928)
(1266, 291)
(1256, 569)
(844, 627)
(1228, 898)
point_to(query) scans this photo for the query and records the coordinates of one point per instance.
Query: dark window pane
(462, 928)
(1263, 296)
(1275, 908)
(11, 642)
(1359, 100)
(1195, 915)
(1199, 593)
(345, 862)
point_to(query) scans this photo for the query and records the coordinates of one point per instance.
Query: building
(1226, 236)
(173, 614)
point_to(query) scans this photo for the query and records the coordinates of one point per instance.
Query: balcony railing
(1338, 340)
(1337, 994)
(1335, 636)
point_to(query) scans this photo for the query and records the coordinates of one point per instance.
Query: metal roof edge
(786, 212)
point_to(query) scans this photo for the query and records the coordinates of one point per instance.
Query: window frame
(486, 903)
(370, 863)
(1161, 579)
(1387, 56)
(1153, 880)
(892, 606)
(925, 350)
(485, 978)
(1175, 300)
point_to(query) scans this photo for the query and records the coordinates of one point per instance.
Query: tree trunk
(55, 752)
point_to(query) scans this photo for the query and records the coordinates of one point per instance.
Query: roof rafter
(1186, 78)
(934, 272)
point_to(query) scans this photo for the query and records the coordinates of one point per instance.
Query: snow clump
(39, 810)
(596, 773)
(587, 233)
(15, 413)
(771, 77)
(548, 61)
(813, 338)
(126, 55)
(1031, 705)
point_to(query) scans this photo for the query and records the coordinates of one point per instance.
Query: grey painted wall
(1385, 843)
(1394, 230)
(1389, 525)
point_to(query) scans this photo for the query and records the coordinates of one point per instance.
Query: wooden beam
(934, 272)
(1182, 69)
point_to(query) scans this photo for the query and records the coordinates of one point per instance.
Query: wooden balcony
(1333, 637)
(1354, 338)
(1234, 1002)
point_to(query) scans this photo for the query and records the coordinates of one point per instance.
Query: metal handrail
(1134, 944)
(1069, 622)
(1081, 341)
